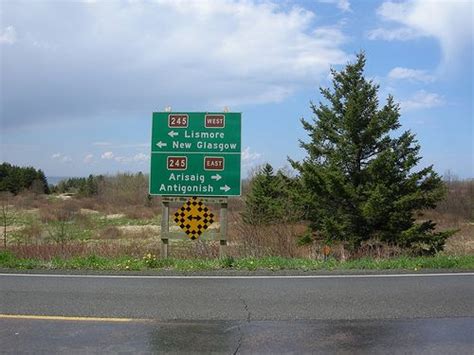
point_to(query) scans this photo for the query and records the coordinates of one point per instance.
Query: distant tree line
(85, 187)
(15, 179)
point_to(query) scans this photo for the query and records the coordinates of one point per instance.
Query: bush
(31, 233)
(268, 240)
(61, 218)
(151, 261)
(124, 190)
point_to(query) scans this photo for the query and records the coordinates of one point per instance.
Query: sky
(80, 79)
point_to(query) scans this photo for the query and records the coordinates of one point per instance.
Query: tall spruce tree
(359, 175)
(43, 181)
(273, 198)
(262, 201)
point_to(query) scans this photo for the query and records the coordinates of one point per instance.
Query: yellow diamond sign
(194, 217)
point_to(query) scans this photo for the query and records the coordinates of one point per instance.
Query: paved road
(350, 313)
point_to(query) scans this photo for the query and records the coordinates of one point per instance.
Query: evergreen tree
(272, 198)
(15, 179)
(360, 178)
(260, 203)
(44, 182)
(91, 187)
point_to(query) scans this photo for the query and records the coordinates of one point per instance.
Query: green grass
(22, 217)
(8, 260)
(101, 221)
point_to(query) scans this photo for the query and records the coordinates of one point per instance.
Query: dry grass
(59, 210)
(459, 200)
(29, 200)
(260, 241)
(456, 211)
(124, 190)
(461, 243)
(139, 232)
(82, 249)
(140, 212)
(188, 249)
(110, 232)
(374, 249)
(126, 197)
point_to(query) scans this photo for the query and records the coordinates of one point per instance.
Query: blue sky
(80, 79)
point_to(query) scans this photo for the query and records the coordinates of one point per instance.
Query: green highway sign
(195, 154)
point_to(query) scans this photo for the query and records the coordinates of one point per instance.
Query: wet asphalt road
(431, 314)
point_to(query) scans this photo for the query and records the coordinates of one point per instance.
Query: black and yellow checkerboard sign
(194, 217)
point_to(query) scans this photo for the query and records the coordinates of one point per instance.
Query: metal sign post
(223, 234)
(165, 228)
(195, 159)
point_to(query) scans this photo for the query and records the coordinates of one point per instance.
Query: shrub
(151, 261)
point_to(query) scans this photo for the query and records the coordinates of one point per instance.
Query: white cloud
(127, 145)
(450, 22)
(61, 157)
(137, 158)
(422, 100)
(140, 157)
(107, 155)
(8, 35)
(248, 156)
(240, 52)
(121, 159)
(399, 73)
(250, 160)
(88, 158)
(400, 34)
(344, 5)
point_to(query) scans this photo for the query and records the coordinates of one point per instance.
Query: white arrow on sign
(172, 134)
(225, 188)
(160, 144)
(216, 177)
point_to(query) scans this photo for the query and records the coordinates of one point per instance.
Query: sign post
(195, 154)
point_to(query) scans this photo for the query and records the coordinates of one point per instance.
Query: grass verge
(92, 262)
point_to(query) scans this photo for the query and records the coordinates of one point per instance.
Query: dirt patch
(31, 210)
(137, 229)
(115, 216)
(139, 232)
(174, 228)
(88, 211)
(14, 228)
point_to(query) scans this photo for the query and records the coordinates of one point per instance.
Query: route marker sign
(195, 154)
(194, 217)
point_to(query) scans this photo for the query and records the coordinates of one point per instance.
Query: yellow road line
(66, 318)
